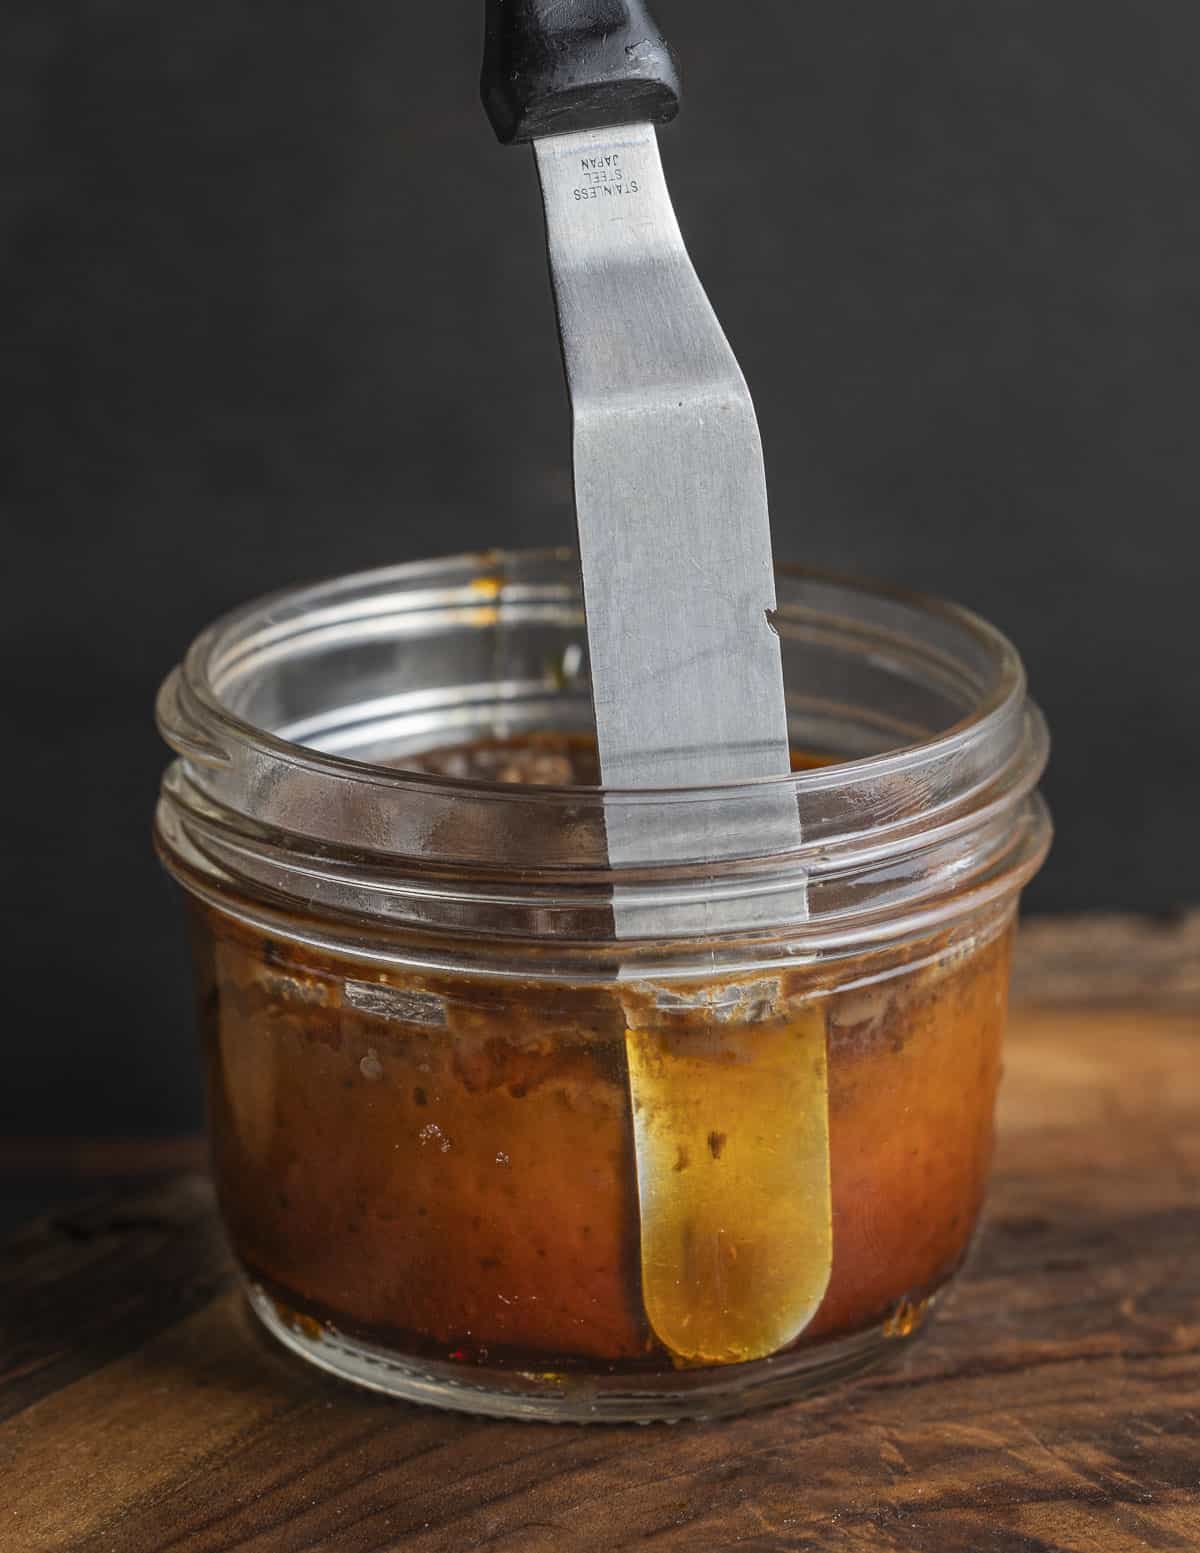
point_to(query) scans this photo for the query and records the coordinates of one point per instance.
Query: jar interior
(377, 669)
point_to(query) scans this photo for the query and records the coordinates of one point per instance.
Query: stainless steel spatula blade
(670, 494)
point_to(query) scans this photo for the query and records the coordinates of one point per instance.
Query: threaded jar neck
(292, 718)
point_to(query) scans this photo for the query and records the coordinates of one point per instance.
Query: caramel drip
(731, 1129)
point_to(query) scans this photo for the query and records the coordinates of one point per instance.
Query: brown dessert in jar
(526, 1174)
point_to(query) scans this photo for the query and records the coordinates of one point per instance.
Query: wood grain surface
(1053, 1405)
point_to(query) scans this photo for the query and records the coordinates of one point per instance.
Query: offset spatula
(670, 494)
(732, 1157)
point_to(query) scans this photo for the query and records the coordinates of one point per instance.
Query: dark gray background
(276, 307)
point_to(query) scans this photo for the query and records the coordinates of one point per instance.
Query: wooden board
(1053, 1405)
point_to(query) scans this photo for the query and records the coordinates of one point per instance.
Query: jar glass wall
(480, 1140)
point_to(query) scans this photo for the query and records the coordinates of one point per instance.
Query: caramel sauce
(731, 1137)
(530, 1175)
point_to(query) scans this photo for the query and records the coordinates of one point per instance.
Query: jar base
(586, 1398)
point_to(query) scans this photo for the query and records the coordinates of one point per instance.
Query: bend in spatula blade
(670, 493)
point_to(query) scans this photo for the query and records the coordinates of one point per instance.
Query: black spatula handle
(551, 67)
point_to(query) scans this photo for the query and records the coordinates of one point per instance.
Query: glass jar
(482, 1140)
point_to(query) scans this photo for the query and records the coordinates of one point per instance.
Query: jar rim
(923, 831)
(1004, 695)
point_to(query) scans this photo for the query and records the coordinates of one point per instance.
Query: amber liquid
(554, 1178)
(732, 1147)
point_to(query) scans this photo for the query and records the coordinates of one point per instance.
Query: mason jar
(498, 1125)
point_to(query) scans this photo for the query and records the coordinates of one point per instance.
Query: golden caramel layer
(450, 1165)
